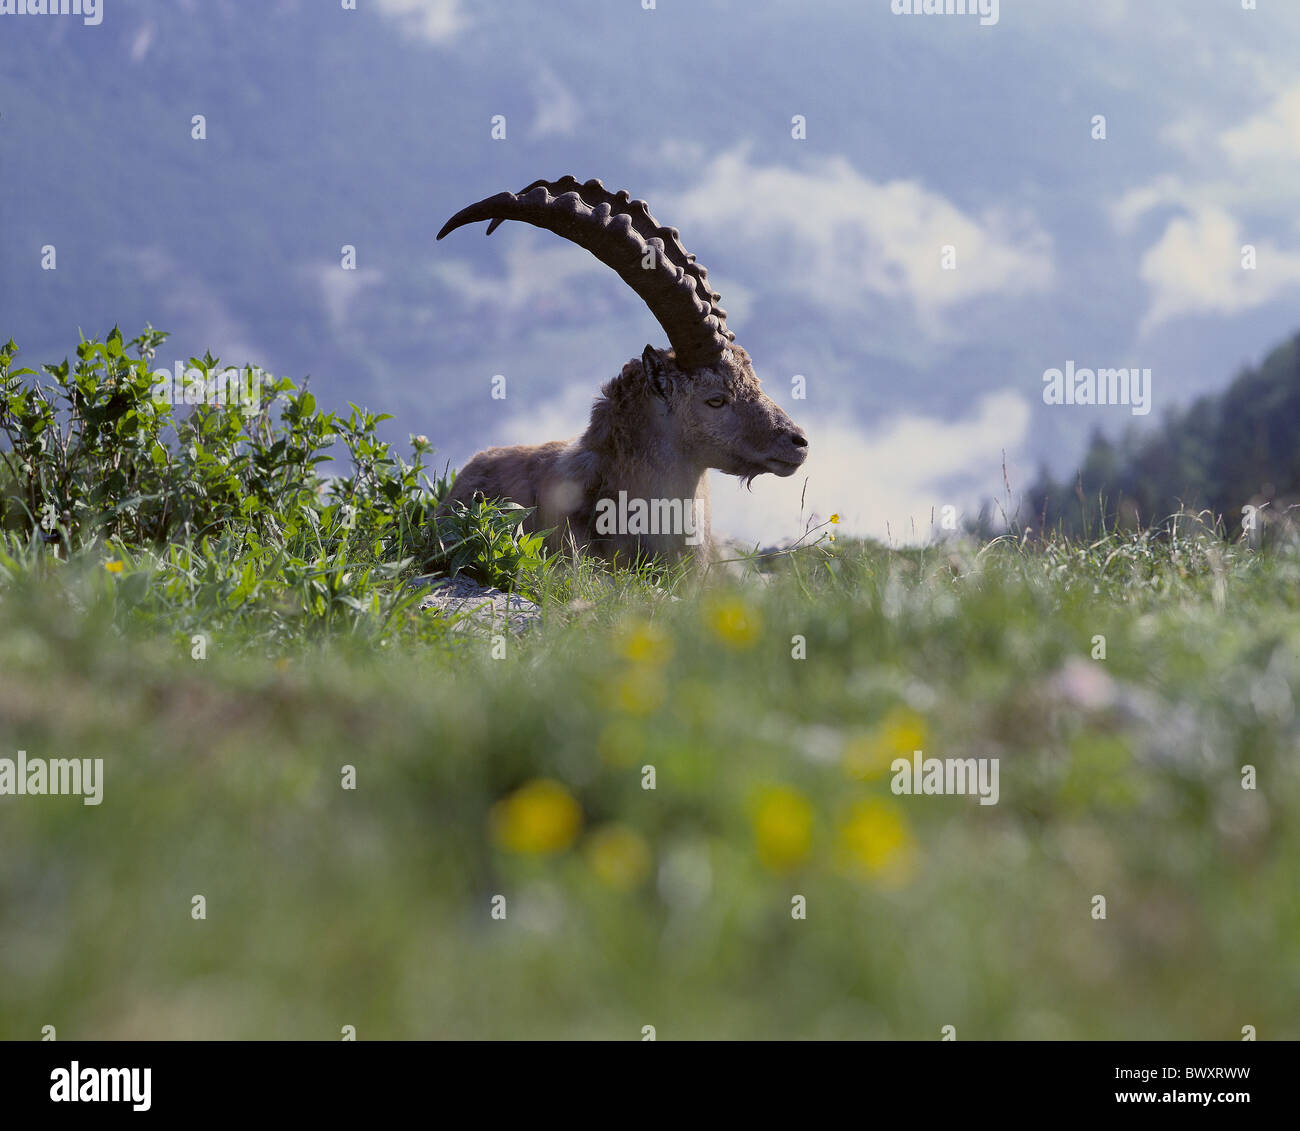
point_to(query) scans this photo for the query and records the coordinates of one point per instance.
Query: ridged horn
(619, 232)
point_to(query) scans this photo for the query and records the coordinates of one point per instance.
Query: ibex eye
(716, 402)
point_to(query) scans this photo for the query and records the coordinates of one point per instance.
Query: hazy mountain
(328, 127)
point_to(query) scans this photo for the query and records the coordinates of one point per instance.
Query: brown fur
(652, 436)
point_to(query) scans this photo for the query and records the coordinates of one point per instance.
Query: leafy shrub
(485, 539)
(221, 507)
(93, 452)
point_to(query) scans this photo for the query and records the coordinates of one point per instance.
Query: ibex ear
(656, 372)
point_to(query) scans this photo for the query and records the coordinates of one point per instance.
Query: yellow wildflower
(646, 643)
(619, 856)
(734, 623)
(538, 819)
(876, 843)
(900, 732)
(783, 827)
(113, 566)
(639, 690)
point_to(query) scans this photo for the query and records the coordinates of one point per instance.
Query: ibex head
(720, 417)
(724, 420)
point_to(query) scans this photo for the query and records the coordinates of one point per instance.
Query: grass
(516, 769)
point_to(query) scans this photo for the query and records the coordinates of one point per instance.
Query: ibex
(634, 485)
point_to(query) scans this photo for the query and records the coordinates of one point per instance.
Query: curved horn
(619, 231)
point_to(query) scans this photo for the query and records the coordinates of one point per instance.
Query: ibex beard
(661, 424)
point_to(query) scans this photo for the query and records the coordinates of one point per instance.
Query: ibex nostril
(798, 439)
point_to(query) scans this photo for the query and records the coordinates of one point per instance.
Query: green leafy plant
(210, 510)
(485, 539)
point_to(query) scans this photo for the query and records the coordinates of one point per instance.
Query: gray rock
(746, 561)
(476, 608)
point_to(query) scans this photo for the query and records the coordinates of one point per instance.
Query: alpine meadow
(408, 635)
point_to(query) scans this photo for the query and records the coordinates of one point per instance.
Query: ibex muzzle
(663, 422)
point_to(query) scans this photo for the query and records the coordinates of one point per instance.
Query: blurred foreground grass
(522, 777)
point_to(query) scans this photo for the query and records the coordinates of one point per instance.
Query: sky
(918, 214)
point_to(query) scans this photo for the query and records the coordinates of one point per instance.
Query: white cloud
(560, 418)
(558, 111)
(540, 275)
(339, 289)
(1270, 137)
(143, 41)
(840, 238)
(201, 317)
(1252, 164)
(1195, 268)
(883, 484)
(1248, 169)
(846, 239)
(436, 21)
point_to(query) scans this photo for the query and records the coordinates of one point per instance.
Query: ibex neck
(653, 498)
(642, 481)
(639, 449)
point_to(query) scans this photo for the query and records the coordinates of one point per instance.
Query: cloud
(1270, 137)
(560, 418)
(844, 239)
(830, 235)
(435, 21)
(1195, 268)
(1253, 164)
(883, 483)
(539, 276)
(558, 111)
(143, 41)
(340, 289)
(196, 310)
(888, 483)
(1250, 169)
